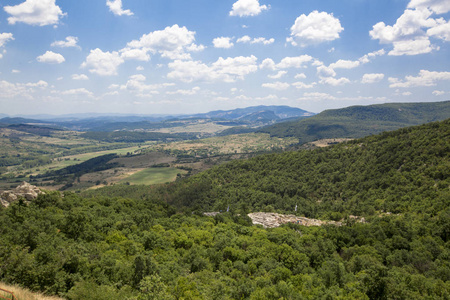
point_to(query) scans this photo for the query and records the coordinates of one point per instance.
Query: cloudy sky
(186, 56)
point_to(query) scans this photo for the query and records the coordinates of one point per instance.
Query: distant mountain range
(256, 116)
(276, 113)
(360, 121)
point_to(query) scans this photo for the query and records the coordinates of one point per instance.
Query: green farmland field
(153, 176)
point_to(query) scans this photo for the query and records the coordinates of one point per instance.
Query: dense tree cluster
(360, 121)
(136, 242)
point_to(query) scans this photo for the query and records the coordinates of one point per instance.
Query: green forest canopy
(130, 242)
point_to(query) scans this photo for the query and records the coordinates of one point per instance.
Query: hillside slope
(360, 121)
(407, 170)
(124, 242)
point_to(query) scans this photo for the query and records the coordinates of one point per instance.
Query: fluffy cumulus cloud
(172, 42)
(79, 77)
(245, 8)
(71, 41)
(77, 92)
(438, 93)
(278, 75)
(23, 90)
(222, 42)
(437, 6)
(424, 78)
(345, 64)
(5, 37)
(441, 31)
(259, 40)
(115, 6)
(280, 86)
(103, 63)
(334, 81)
(51, 57)
(317, 96)
(294, 62)
(35, 12)
(302, 85)
(324, 71)
(226, 70)
(190, 92)
(411, 33)
(372, 78)
(317, 27)
(136, 85)
(268, 63)
(135, 54)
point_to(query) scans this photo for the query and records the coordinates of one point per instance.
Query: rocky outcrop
(24, 190)
(272, 220)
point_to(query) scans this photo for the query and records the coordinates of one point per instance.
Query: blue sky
(172, 56)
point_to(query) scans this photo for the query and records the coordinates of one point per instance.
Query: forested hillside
(137, 242)
(360, 121)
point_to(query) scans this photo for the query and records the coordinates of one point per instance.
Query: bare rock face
(25, 190)
(271, 220)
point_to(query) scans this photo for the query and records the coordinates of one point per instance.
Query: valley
(127, 216)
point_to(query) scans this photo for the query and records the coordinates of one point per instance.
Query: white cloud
(412, 47)
(425, 78)
(280, 86)
(227, 70)
(23, 90)
(366, 58)
(245, 8)
(15, 71)
(223, 42)
(334, 81)
(259, 40)
(317, 96)
(278, 75)
(35, 12)
(300, 76)
(103, 63)
(51, 57)
(139, 68)
(406, 94)
(136, 84)
(79, 77)
(268, 63)
(264, 41)
(172, 42)
(294, 62)
(195, 48)
(115, 6)
(345, 64)
(71, 41)
(135, 53)
(244, 39)
(372, 78)
(324, 71)
(190, 92)
(78, 92)
(438, 93)
(411, 33)
(317, 27)
(441, 31)
(5, 37)
(437, 6)
(302, 85)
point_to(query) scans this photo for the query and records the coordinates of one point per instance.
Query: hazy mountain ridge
(360, 121)
(251, 116)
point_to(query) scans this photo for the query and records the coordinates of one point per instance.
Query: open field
(153, 176)
(237, 143)
(24, 294)
(197, 126)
